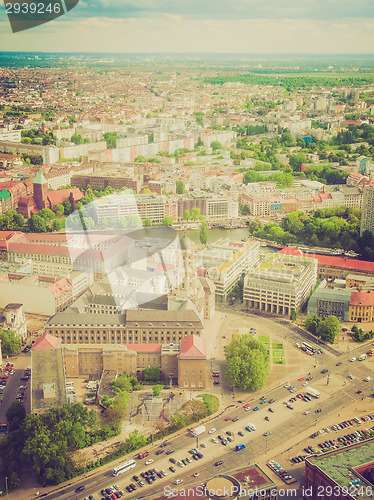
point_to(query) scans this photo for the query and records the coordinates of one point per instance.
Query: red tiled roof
(58, 197)
(192, 347)
(144, 347)
(362, 299)
(46, 341)
(331, 260)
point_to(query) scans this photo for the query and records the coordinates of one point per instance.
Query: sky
(201, 26)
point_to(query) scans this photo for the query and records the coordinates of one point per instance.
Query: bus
(124, 467)
(308, 348)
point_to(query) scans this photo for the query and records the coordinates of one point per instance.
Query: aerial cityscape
(187, 251)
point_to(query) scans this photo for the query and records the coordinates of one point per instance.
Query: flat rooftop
(47, 369)
(340, 464)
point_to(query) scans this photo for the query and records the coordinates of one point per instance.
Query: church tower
(40, 187)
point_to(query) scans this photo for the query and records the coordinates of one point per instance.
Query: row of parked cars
(110, 493)
(283, 474)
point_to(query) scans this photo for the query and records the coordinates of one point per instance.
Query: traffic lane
(255, 444)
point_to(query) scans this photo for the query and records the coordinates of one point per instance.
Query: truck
(198, 430)
(313, 392)
(239, 447)
(142, 454)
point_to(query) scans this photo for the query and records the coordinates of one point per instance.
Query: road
(20, 362)
(337, 391)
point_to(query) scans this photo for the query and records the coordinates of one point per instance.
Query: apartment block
(367, 216)
(280, 284)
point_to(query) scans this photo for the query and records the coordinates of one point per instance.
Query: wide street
(337, 392)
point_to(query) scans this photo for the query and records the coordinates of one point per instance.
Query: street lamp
(6, 487)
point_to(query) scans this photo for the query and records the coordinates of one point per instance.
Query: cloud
(233, 9)
(175, 33)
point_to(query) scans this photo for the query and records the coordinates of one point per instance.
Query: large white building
(280, 284)
(225, 262)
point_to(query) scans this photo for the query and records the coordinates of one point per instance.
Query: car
(22, 387)
(318, 410)
(305, 384)
(271, 410)
(352, 359)
(171, 469)
(178, 481)
(255, 408)
(286, 386)
(172, 460)
(103, 492)
(215, 441)
(149, 462)
(4, 377)
(80, 488)
(325, 370)
(271, 401)
(180, 463)
(301, 378)
(267, 418)
(196, 474)
(292, 400)
(241, 433)
(300, 396)
(338, 364)
(203, 445)
(290, 407)
(367, 379)
(293, 389)
(185, 461)
(351, 376)
(306, 412)
(212, 430)
(229, 433)
(219, 462)
(235, 419)
(113, 496)
(247, 405)
(227, 418)
(169, 452)
(263, 401)
(229, 439)
(161, 450)
(216, 382)
(309, 378)
(267, 433)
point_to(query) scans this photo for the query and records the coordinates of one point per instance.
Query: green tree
(157, 390)
(247, 362)
(122, 383)
(167, 221)
(67, 207)
(15, 415)
(151, 373)
(195, 213)
(180, 187)
(46, 213)
(328, 329)
(59, 210)
(203, 234)
(37, 224)
(293, 315)
(148, 222)
(186, 215)
(178, 421)
(77, 139)
(215, 145)
(135, 441)
(134, 221)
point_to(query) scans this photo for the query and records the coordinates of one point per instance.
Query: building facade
(280, 285)
(367, 216)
